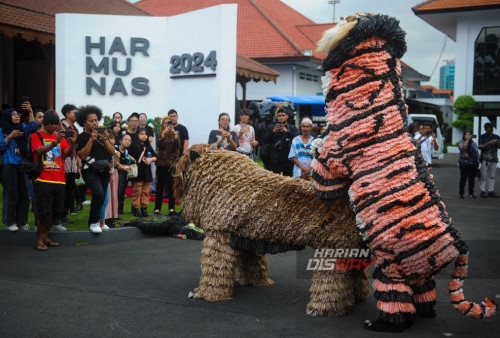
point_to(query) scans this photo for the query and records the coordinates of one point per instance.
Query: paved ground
(140, 287)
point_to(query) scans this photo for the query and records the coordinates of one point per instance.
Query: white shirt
(426, 146)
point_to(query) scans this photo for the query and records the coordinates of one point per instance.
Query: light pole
(333, 2)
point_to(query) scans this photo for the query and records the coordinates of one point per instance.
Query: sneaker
(95, 228)
(12, 228)
(492, 194)
(25, 227)
(472, 196)
(86, 202)
(66, 220)
(59, 227)
(461, 197)
(104, 228)
(483, 194)
(78, 207)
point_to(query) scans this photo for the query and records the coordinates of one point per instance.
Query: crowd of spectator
(108, 160)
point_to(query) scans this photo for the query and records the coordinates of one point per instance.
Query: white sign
(150, 65)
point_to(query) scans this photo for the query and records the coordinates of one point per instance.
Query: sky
(424, 42)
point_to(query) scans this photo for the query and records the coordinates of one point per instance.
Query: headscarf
(163, 120)
(8, 127)
(470, 147)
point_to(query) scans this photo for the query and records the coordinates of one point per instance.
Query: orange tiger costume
(367, 153)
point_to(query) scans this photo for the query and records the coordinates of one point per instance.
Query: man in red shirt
(49, 186)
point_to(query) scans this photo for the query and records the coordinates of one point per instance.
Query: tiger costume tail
(479, 311)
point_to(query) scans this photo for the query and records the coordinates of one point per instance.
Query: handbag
(133, 172)
(99, 165)
(79, 181)
(31, 168)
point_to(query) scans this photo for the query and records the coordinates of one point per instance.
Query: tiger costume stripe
(367, 153)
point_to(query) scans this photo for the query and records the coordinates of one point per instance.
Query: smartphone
(69, 133)
(226, 128)
(25, 99)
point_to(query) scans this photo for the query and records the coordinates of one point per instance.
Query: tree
(464, 106)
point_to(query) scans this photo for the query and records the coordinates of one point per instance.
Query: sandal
(156, 212)
(52, 244)
(41, 247)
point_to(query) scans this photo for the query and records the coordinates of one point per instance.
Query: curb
(75, 237)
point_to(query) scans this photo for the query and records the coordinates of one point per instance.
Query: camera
(170, 123)
(100, 130)
(226, 128)
(429, 132)
(69, 133)
(25, 99)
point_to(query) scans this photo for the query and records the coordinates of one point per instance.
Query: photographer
(427, 140)
(468, 163)
(488, 144)
(15, 184)
(49, 187)
(168, 147)
(95, 151)
(279, 136)
(222, 138)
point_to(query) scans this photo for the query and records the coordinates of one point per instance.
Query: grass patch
(80, 220)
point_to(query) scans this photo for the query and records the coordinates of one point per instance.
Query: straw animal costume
(367, 154)
(247, 211)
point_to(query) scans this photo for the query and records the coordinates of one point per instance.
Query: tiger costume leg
(424, 298)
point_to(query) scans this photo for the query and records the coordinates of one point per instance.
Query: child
(123, 165)
(145, 155)
(112, 207)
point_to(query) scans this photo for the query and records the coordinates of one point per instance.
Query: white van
(431, 119)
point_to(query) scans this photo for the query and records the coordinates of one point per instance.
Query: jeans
(69, 192)
(165, 183)
(98, 184)
(16, 197)
(467, 172)
(487, 182)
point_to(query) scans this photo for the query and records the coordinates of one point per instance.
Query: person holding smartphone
(222, 138)
(246, 134)
(279, 136)
(168, 148)
(71, 163)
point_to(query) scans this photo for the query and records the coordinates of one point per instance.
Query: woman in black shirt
(94, 149)
(141, 185)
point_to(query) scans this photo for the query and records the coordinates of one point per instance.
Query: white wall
(288, 83)
(469, 25)
(198, 100)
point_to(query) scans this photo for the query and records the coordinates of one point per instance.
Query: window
(487, 62)
(308, 77)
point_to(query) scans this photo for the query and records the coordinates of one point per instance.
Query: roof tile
(451, 5)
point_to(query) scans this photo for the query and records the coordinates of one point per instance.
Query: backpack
(29, 166)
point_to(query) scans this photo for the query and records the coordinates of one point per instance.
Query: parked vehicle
(431, 119)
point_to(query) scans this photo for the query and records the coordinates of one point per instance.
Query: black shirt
(183, 135)
(97, 152)
(279, 142)
(144, 171)
(134, 136)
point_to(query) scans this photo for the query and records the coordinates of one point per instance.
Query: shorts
(49, 201)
